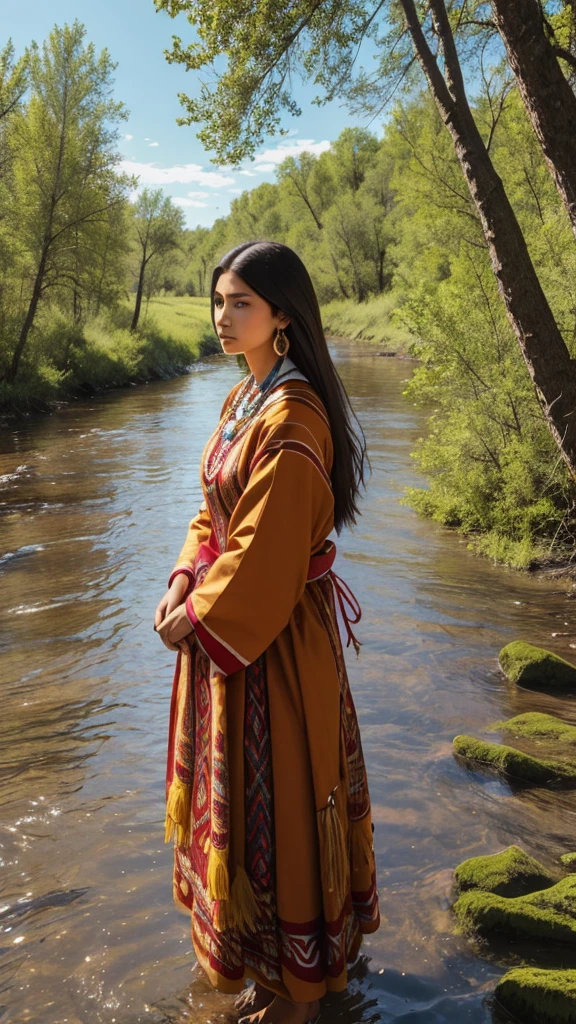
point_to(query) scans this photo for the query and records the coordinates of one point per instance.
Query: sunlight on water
(94, 505)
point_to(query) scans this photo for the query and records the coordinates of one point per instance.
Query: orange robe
(299, 875)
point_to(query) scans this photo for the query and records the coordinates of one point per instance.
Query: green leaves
(247, 54)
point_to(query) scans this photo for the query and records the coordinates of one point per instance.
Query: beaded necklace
(250, 398)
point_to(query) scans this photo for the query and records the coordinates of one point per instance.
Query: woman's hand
(174, 627)
(172, 599)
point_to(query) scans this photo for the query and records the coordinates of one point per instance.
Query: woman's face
(244, 320)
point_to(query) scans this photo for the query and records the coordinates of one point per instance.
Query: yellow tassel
(218, 880)
(361, 846)
(222, 917)
(178, 812)
(241, 910)
(243, 902)
(333, 852)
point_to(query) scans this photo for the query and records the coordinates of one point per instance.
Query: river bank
(67, 363)
(371, 321)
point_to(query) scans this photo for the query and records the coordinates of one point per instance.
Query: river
(94, 507)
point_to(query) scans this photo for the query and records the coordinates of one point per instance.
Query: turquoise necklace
(249, 400)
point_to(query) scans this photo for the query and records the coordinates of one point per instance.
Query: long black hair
(278, 275)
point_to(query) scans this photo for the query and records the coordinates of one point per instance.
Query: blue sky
(153, 145)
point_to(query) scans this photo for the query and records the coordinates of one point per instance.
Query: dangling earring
(281, 343)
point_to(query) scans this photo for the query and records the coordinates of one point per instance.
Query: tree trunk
(341, 285)
(139, 292)
(380, 271)
(548, 98)
(545, 353)
(48, 240)
(29, 320)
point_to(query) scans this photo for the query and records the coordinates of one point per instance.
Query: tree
(65, 179)
(298, 175)
(13, 85)
(158, 227)
(319, 39)
(550, 102)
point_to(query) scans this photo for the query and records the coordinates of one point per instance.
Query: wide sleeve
(199, 528)
(285, 512)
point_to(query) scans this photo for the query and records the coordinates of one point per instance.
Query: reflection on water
(94, 504)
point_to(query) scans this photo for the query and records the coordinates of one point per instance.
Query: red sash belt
(321, 565)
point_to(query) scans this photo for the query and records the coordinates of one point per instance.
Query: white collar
(289, 371)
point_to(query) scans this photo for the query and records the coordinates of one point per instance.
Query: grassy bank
(64, 361)
(368, 321)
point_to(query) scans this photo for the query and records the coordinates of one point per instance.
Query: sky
(153, 146)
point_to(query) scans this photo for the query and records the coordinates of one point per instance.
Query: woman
(266, 786)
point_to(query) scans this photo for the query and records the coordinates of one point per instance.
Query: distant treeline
(77, 258)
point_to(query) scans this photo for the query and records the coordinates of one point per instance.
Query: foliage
(71, 243)
(66, 359)
(368, 321)
(158, 228)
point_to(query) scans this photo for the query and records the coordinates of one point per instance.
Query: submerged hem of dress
(306, 991)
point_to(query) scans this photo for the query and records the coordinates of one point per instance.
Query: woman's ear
(283, 321)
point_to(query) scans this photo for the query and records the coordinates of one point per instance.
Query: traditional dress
(266, 787)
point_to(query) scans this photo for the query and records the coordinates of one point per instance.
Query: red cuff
(176, 572)
(224, 659)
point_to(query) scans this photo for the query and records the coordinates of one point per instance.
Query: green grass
(368, 321)
(184, 318)
(63, 360)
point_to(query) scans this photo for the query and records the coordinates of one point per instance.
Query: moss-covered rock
(538, 726)
(568, 860)
(539, 996)
(514, 762)
(534, 666)
(512, 872)
(546, 914)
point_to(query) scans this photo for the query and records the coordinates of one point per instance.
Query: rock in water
(538, 995)
(512, 762)
(534, 666)
(512, 872)
(537, 726)
(549, 914)
(568, 861)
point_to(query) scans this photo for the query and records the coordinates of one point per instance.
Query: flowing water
(95, 502)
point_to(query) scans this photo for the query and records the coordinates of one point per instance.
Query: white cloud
(198, 195)
(270, 158)
(129, 137)
(179, 174)
(184, 201)
(236, 191)
(153, 144)
(264, 163)
(146, 139)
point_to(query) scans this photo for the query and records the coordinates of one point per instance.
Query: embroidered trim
(224, 657)
(179, 570)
